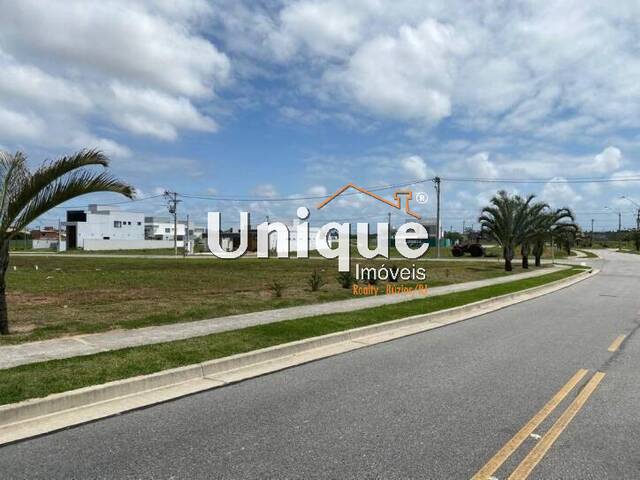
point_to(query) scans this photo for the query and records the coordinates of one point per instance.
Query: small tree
(25, 195)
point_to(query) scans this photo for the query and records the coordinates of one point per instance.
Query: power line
(545, 180)
(122, 202)
(296, 198)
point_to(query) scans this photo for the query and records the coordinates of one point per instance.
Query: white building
(162, 228)
(107, 228)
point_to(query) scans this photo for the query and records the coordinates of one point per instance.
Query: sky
(264, 106)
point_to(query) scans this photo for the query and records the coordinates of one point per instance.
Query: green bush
(277, 288)
(345, 279)
(315, 280)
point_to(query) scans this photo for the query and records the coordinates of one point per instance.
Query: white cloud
(416, 167)
(265, 190)
(479, 166)
(559, 193)
(117, 39)
(324, 28)
(19, 126)
(76, 71)
(607, 161)
(317, 190)
(621, 179)
(406, 76)
(153, 113)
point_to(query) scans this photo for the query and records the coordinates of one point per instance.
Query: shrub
(345, 279)
(315, 281)
(276, 288)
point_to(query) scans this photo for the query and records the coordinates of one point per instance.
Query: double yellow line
(527, 465)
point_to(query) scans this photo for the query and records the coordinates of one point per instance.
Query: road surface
(436, 405)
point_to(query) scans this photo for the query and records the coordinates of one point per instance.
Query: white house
(105, 228)
(162, 228)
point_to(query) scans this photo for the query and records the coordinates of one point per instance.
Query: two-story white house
(103, 227)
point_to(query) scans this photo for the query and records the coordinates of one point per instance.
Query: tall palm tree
(550, 223)
(25, 195)
(504, 220)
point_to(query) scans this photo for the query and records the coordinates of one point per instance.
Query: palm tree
(566, 233)
(505, 220)
(534, 220)
(550, 222)
(25, 195)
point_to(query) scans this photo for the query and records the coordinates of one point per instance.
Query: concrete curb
(38, 416)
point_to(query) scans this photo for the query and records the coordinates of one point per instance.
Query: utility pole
(436, 181)
(172, 205)
(59, 236)
(186, 239)
(619, 230)
(591, 241)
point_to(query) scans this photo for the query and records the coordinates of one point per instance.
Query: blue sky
(270, 100)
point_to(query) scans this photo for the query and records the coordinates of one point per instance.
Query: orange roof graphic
(396, 196)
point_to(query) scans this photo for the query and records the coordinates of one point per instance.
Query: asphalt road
(436, 405)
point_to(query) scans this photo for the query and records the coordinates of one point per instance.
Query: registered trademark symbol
(422, 197)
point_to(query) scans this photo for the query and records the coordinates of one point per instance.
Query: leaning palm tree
(550, 222)
(504, 221)
(25, 195)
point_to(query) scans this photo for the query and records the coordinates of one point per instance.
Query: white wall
(44, 243)
(102, 225)
(99, 244)
(165, 230)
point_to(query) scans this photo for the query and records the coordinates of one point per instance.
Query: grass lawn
(41, 379)
(75, 295)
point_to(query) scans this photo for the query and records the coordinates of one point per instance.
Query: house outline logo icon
(396, 196)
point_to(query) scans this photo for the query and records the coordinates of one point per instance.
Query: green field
(75, 295)
(41, 379)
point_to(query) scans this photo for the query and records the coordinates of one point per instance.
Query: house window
(128, 223)
(117, 224)
(167, 230)
(139, 223)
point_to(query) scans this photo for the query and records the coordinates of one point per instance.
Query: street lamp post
(619, 225)
(637, 205)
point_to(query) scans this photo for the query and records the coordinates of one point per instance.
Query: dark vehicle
(474, 249)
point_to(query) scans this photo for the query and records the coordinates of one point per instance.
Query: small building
(45, 237)
(162, 228)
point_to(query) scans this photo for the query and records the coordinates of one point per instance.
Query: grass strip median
(41, 379)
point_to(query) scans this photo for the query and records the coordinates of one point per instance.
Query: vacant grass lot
(74, 295)
(41, 379)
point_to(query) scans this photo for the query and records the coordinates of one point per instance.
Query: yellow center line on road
(616, 343)
(538, 452)
(512, 445)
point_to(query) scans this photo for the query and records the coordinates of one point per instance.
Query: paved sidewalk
(14, 355)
